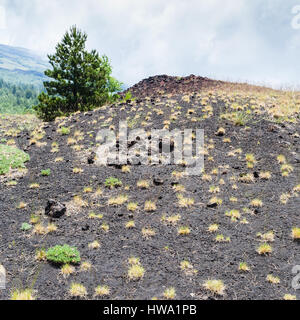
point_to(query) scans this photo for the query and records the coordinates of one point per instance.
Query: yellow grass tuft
(215, 286)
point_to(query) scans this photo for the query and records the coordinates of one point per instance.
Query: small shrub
(63, 254)
(46, 173)
(26, 226)
(64, 131)
(113, 183)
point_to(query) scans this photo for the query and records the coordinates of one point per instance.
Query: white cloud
(224, 38)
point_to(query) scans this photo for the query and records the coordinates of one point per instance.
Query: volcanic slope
(159, 233)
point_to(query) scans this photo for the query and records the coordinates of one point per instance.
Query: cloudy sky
(253, 40)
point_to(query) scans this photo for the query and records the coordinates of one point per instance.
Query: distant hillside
(20, 65)
(17, 98)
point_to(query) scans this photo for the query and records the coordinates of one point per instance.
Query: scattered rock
(158, 181)
(256, 175)
(86, 228)
(91, 158)
(212, 205)
(55, 209)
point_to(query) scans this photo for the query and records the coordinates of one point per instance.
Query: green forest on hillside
(17, 98)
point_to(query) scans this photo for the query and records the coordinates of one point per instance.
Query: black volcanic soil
(162, 253)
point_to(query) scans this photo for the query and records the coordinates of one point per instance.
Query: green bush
(64, 131)
(11, 158)
(26, 226)
(63, 254)
(46, 173)
(113, 182)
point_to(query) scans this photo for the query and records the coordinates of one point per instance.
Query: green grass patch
(63, 254)
(11, 158)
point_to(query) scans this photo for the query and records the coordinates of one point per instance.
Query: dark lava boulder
(55, 209)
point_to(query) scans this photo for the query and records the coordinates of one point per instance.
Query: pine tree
(79, 80)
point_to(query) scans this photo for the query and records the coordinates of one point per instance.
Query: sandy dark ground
(162, 253)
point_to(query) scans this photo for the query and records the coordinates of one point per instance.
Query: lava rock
(86, 228)
(55, 209)
(158, 181)
(212, 205)
(91, 158)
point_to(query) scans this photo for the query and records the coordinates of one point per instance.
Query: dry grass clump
(136, 271)
(39, 229)
(286, 169)
(172, 220)
(272, 279)
(256, 203)
(143, 184)
(117, 201)
(213, 228)
(102, 291)
(233, 214)
(185, 202)
(179, 188)
(85, 266)
(77, 170)
(94, 245)
(222, 238)
(215, 286)
(22, 205)
(77, 290)
(150, 206)
(284, 198)
(265, 175)
(130, 224)
(41, 255)
(206, 177)
(148, 233)
(105, 227)
(169, 293)
(267, 237)
(243, 266)
(247, 178)
(215, 200)
(20, 295)
(132, 206)
(187, 268)
(51, 228)
(184, 231)
(281, 159)
(67, 270)
(296, 233)
(264, 249)
(289, 297)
